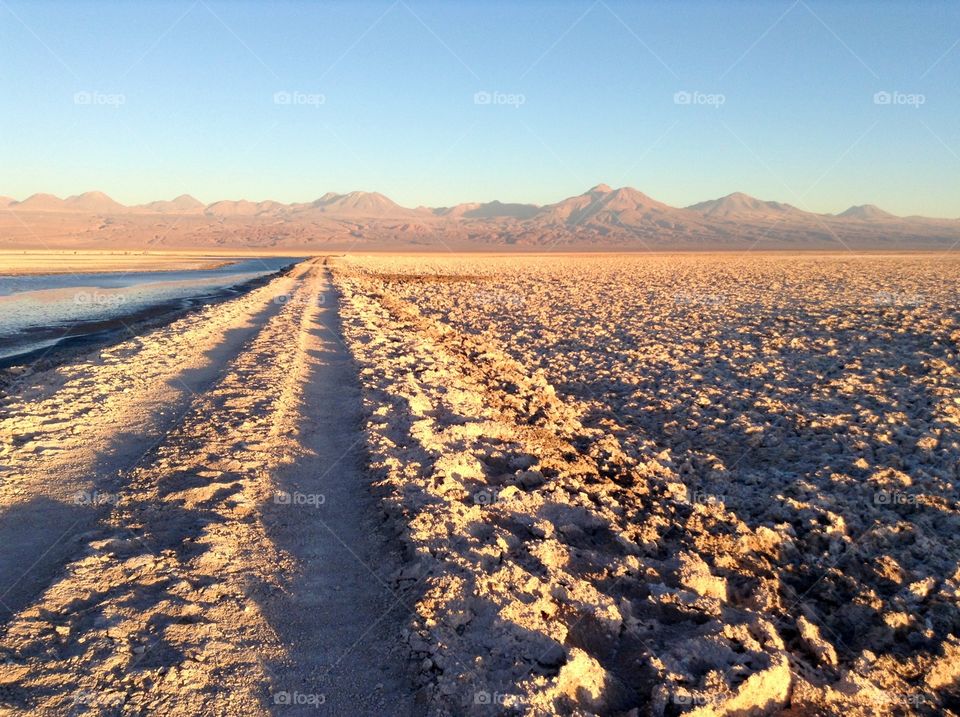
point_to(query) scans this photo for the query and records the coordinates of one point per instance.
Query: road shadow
(338, 614)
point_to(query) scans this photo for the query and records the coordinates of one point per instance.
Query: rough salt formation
(669, 485)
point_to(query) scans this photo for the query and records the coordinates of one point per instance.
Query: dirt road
(187, 527)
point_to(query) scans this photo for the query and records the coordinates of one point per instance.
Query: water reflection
(36, 311)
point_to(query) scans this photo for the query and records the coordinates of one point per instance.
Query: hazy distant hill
(866, 212)
(604, 206)
(489, 210)
(184, 204)
(740, 206)
(600, 218)
(370, 205)
(242, 208)
(86, 203)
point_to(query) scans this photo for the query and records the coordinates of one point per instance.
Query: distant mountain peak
(741, 205)
(94, 201)
(94, 194)
(184, 204)
(498, 209)
(865, 212)
(359, 204)
(86, 203)
(603, 206)
(41, 197)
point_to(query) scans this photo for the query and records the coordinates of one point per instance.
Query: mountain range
(601, 217)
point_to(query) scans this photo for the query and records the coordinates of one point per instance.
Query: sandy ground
(186, 526)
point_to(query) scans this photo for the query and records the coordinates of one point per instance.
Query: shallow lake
(39, 312)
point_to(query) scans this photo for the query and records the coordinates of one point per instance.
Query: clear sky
(147, 100)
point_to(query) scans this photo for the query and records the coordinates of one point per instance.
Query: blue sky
(287, 101)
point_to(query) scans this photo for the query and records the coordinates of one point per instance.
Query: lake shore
(33, 263)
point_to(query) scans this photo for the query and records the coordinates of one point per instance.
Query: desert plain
(608, 484)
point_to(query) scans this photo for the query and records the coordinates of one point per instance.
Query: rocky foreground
(674, 485)
(451, 485)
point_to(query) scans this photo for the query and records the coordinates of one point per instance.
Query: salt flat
(720, 484)
(704, 484)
